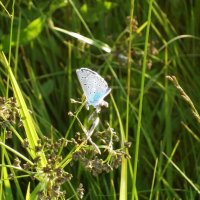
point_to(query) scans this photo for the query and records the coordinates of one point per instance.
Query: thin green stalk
(11, 30)
(136, 153)
(4, 172)
(81, 18)
(69, 72)
(129, 69)
(4, 7)
(164, 168)
(10, 43)
(8, 191)
(183, 174)
(123, 183)
(17, 47)
(153, 179)
(168, 135)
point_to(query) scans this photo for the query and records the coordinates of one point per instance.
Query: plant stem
(136, 153)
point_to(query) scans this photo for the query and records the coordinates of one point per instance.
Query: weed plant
(148, 52)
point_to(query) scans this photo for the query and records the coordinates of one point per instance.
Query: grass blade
(136, 153)
(25, 114)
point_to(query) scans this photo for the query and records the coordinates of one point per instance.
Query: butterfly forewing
(84, 76)
(94, 86)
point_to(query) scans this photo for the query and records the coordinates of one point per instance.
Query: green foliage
(42, 43)
(27, 34)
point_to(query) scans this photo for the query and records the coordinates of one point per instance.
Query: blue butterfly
(95, 88)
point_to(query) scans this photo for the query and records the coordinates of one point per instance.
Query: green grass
(147, 51)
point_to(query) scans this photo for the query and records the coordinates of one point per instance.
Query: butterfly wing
(85, 79)
(94, 86)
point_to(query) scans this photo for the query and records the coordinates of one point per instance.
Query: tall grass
(147, 51)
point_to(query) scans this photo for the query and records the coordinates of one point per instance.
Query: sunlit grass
(151, 62)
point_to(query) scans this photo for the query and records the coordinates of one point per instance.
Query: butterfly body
(95, 88)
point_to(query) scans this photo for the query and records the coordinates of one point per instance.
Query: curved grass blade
(94, 42)
(27, 121)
